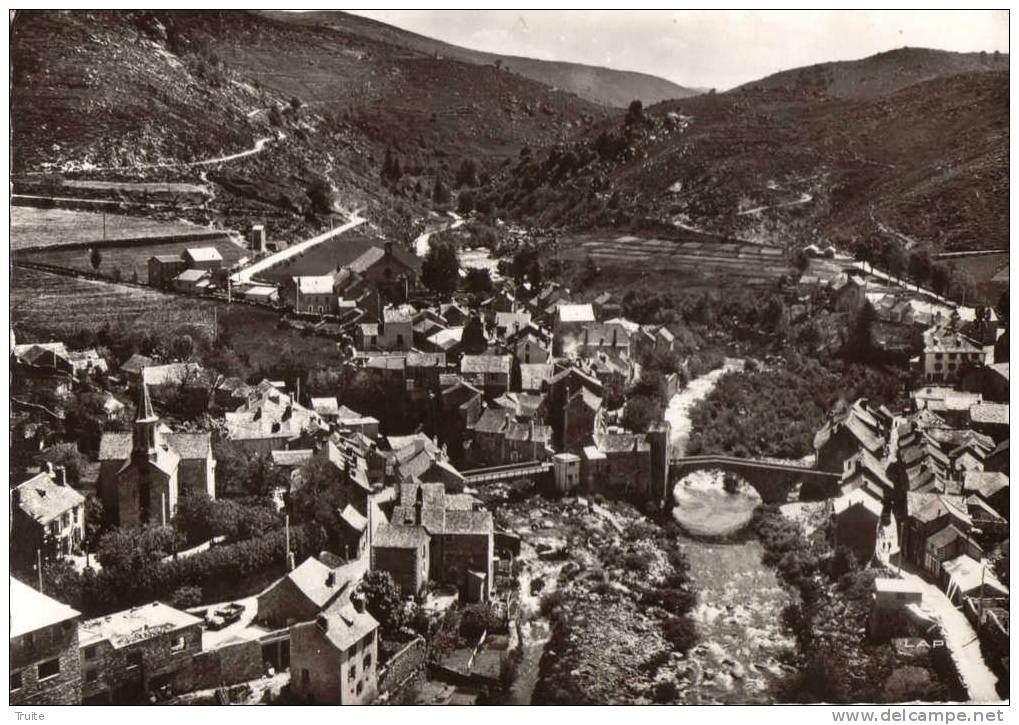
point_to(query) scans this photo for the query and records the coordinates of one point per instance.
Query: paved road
(246, 274)
(961, 640)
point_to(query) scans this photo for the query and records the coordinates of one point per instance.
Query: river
(678, 411)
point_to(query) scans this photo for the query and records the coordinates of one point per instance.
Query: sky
(705, 49)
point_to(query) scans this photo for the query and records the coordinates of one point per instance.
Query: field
(321, 259)
(48, 306)
(133, 258)
(31, 227)
(751, 262)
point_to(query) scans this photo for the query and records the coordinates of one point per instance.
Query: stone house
(334, 659)
(207, 258)
(47, 516)
(301, 594)
(860, 426)
(310, 294)
(163, 268)
(128, 654)
(44, 664)
(490, 373)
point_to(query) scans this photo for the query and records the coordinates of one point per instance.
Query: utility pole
(38, 564)
(162, 508)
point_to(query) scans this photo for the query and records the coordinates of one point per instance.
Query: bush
(680, 632)
(551, 603)
(186, 597)
(477, 619)
(665, 691)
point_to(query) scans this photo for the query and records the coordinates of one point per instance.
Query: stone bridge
(774, 481)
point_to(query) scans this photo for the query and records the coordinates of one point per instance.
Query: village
(179, 534)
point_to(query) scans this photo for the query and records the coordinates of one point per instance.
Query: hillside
(604, 86)
(927, 163)
(130, 89)
(879, 74)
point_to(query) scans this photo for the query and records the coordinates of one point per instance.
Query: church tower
(145, 422)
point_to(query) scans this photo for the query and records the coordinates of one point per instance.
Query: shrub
(186, 597)
(665, 691)
(550, 603)
(680, 632)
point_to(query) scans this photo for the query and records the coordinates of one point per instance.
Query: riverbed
(678, 411)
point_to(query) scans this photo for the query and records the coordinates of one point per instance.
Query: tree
(920, 265)
(467, 174)
(465, 202)
(295, 103)
(939, 278)
(440, 194)
(182, 347)
(860, 341)
(640, 413)
(478, 281)
(95, 258)
(440, 270)
(383, 600)
(894, 259)
(635, 113)
(473, 340)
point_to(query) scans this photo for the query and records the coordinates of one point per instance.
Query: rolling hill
(927, 163)
(879, 74)
(604, 86)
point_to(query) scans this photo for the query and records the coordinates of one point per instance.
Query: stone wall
(402, 665)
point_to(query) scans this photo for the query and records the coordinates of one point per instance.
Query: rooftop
(43, 499)
(134, 625)
(31, 610)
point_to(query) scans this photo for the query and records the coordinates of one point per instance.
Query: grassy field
(47, 306)
(31, 227)
(321, 259)
(134, 258)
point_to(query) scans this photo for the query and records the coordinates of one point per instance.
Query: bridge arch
(773, 481)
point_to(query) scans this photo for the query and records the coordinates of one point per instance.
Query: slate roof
(534, 375)
(314, 284)
(489, 364)
(136, 363)
(493, 420)
(987, 484)
(115, 446)
(311, 577)
(389, 536)
(930, 506)
(191, 275)
(44, 500)
(575, 313)
(468, 522)
(344, 626)
(31, 610)
(993, 413)
(189, 446)
(204, 254)
(353, 518)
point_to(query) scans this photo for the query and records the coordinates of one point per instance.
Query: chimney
(357, 600)
(331, 579)
(59, 474)
(389, 249)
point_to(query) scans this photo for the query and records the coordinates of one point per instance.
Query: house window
(352, 673)
(178, 644)
(360, 687)
(367, 661)
(15, 681)
(65, 520)
(48, 669)
(90, 652)
(91, 675)
(305, 677)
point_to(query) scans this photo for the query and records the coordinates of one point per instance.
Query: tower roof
(144, 413)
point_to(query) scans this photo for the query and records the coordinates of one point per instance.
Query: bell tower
(145, 422)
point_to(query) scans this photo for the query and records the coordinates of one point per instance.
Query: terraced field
(757, 264)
